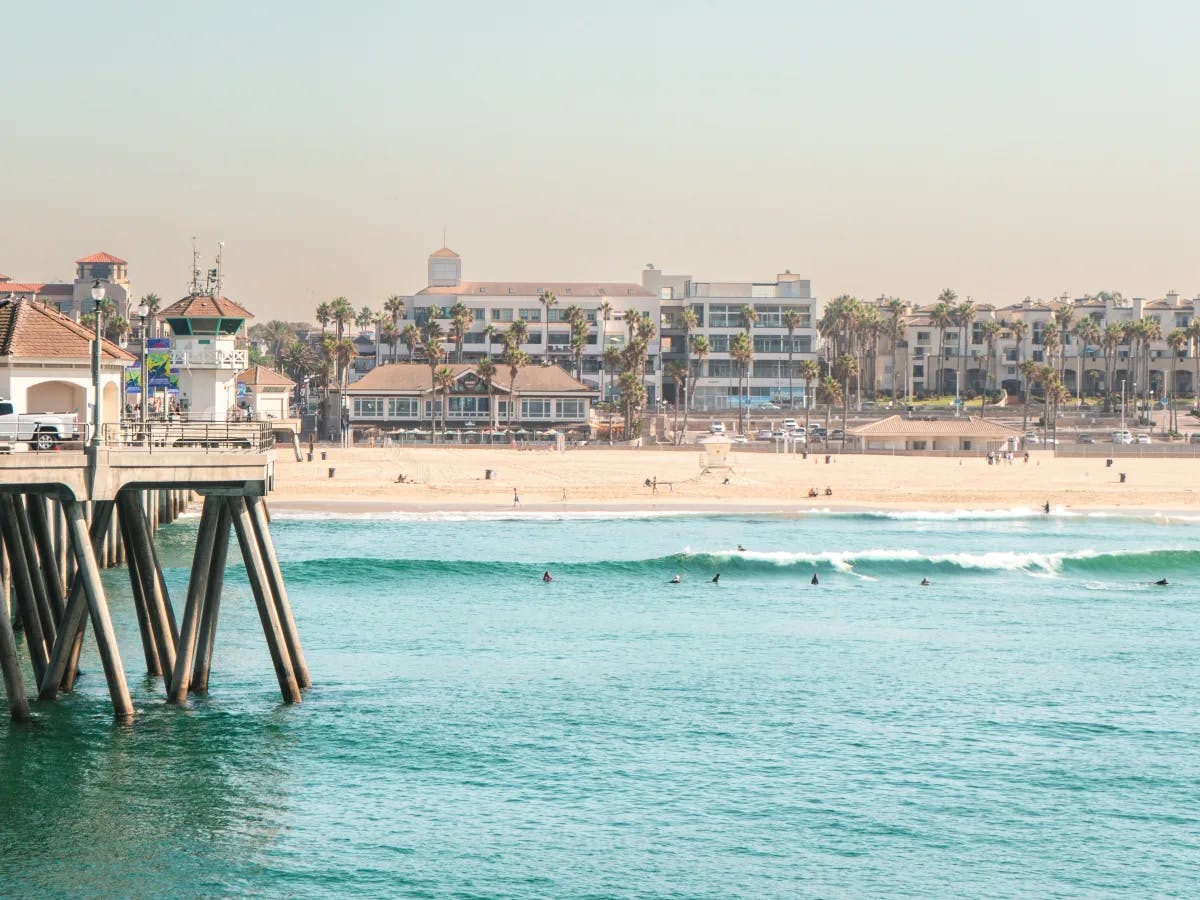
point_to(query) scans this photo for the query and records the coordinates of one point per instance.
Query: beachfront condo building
(965, 355)
(719, 309)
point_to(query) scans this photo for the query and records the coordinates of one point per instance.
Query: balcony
(210, 359)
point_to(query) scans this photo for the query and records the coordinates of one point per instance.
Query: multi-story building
(718, 307)
(75, 299)
(722, 309)
(967, 363)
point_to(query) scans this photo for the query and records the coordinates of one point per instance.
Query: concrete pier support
(197, 590)
(212, 600)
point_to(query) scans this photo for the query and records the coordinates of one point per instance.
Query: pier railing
(208, 436)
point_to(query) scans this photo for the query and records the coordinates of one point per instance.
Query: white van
(716, 427)
(1122, 437)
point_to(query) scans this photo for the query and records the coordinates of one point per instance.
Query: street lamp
(143, 312)
(97, 298)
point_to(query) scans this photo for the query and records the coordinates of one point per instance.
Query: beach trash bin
(310, 456)
(332, 470)
(826, 459)
(324, 455)
(1122, 478)
(489, 474)
(1108, 463)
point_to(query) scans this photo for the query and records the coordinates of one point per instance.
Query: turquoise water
(1026, 725)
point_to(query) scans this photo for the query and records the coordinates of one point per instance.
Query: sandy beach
(452, 478)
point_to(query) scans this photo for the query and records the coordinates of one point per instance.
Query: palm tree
(514, 358)
(486, 369)
(610, 359)
(991, 331)
(411, 335)
(394, 307)
(810, 372)
(701, 349)
(741, 351)
(690, 322)
(1087, 330)
(460, 321)
(342, 314)
(153, 304)
(897, 309)
(443, 382)
(941, 317)
(547, 299)
(297, 360)
(1111, 338)
(1020, 331)
(1029, 370)
(278, 334)
(791, 321)
(324, 315)
(363, 318)
(1177, 340)
(846, 367)
(676, 371)
(965, 314)
(518, 332)
(1193, 333)
(577, 319)
(389, 335)
(867, 325)
(829, 392)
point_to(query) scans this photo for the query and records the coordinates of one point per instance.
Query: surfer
(815, 579)
(924, 582)
(678, 579)
(1162, 582)
(716, 579)
(547, 577)
(741, 549)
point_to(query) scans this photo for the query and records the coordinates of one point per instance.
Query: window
(976, 332)
(768, 343)
(502, 315)
(666, 293)
(368, 407)
(402, 408)
(918, 371)
(718, 343)
(536, 408)
(768, 316)
(923, 337)
(723, 316)
(1182, 320)
(1039, 329)
(531, 314)
(468, 407)
(572, 409)
(762, 290)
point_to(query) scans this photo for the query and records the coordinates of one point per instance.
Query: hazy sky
(1001, 149)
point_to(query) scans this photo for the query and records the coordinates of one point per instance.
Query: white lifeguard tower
(716, 453)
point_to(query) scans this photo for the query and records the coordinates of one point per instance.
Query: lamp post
(97, 298)
(143, 312)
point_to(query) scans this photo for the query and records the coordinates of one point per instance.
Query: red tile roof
(21, 287)
(33, 330)
(967, 426)
(205, 306)
(103, 257)
(261, 375)
(445, 253)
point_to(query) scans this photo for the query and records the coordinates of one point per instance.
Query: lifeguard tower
(208, 350)
(716, 454)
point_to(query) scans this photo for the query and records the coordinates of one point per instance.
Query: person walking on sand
(516, 499)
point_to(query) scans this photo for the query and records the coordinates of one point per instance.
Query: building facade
(208, 350)
(74, 299)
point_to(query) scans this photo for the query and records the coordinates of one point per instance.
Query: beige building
(968, 434)
(75, 299)
(265, 393)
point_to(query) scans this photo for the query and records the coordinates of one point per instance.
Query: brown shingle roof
(416, 377)
(34, 330)
(103, 257)
(901, 426)
(261, 375)
(561, 289)
(205, 306)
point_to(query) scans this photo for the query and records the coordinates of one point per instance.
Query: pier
(65, 515)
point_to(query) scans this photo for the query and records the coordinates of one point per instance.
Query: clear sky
(1003, 149)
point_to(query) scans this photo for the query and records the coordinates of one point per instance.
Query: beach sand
(452, 478)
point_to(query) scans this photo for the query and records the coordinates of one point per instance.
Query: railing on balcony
(211, 359)
(209, 436)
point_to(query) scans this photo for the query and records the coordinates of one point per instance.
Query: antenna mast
(195, 267)
(220, 252)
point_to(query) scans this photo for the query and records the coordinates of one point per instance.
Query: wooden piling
(212, 599)
(93, 587)
(260, 587)
(283, 607)
(43, 535)
(23, 585)
(152, 585)
(149, 646)
(64, 656)
(197, 589)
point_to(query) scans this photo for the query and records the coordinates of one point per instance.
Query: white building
(208, 349)
(46, 365)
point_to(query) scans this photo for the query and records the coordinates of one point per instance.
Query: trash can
(332, 470)
(489, 474)
(827, 459)
(324, 455)
(1122, 478)
(310, 456)
(1108, 464)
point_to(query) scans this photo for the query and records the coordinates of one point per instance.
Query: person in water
(716, 579)
(1162, 582)
(547, 577)
(678, 579)
(741, 549)
(924, 582)
(815, 579)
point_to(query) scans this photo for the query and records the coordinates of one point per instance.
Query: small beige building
(265, 393)
(968, 434)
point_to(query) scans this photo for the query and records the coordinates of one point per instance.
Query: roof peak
(103, 257)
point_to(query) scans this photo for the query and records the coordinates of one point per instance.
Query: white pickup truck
(43, 431)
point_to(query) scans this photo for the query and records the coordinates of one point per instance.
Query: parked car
(1195, 438)
(1122, 437)
(764, 434)
(44, 431)
(1032, 438)
(1084, 439)
(789, 425)
(717, 427)
(1142, 439)
(740, 439)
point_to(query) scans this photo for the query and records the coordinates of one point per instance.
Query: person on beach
(516, 499)
(815, 579)
(716, 579)
(678, 579)
(1046, 508)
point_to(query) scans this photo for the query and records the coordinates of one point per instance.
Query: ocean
(1026, 724)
